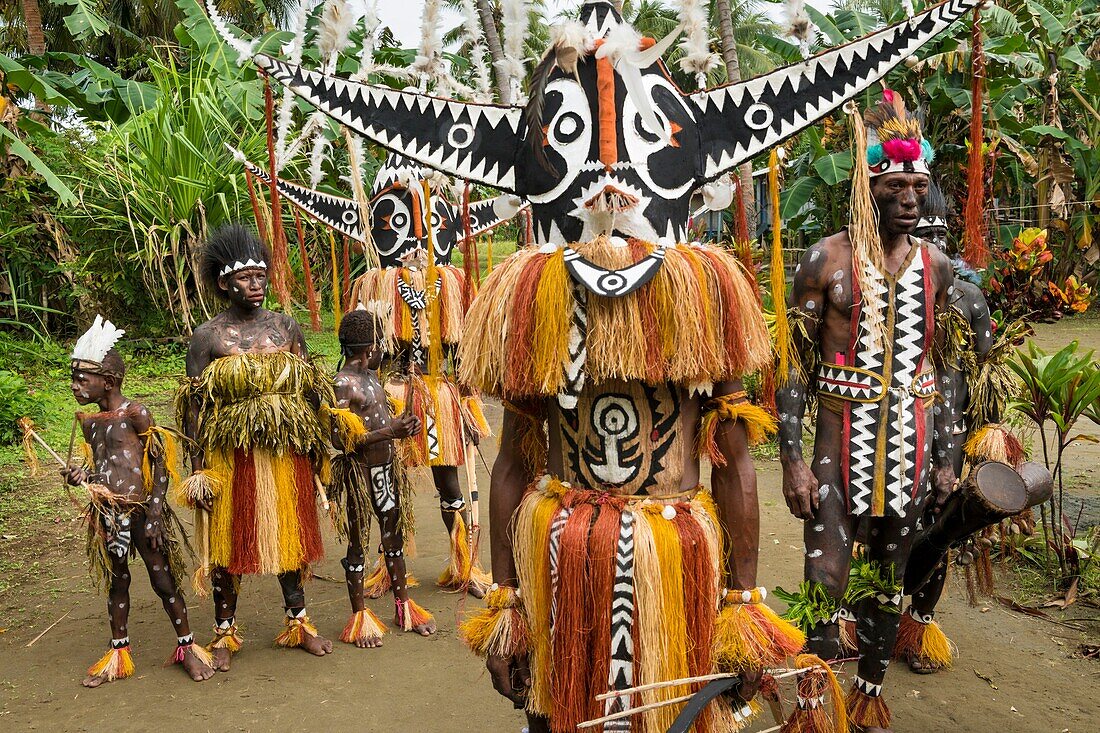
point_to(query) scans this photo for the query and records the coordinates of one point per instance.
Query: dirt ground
(1014, 672)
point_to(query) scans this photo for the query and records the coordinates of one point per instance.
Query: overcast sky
(403, 17)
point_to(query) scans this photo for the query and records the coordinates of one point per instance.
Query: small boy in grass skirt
(128, 463)
(366, 477)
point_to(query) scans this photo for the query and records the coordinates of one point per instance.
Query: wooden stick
(46, 445)
(55, 623)
(778, 674)
(634, 711)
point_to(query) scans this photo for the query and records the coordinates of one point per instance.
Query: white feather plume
(366, 51)
(335, 26)
(474, 36)
(243, 48)
(293, 53)
(570, 41)
(798, 24)
(514, 14)
(317, 157)
(429, 56)
(97, 341)
(698, 59)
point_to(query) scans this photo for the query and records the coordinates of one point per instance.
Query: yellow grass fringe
(381, 284)
(924, 642)
(814, 685)
(759, 424)
(226, 639)
(696, 321)
(378, 583)
(752, 636)
(994, 442)
(498, 630)
(347, 427)
(296, 631)
(200, 653)
(784, 344)
(463, 570)
(531, 549)
(363, 626)
(116, 664)
(410, 614)
(865, 711)
(267, 401)
(475, 416)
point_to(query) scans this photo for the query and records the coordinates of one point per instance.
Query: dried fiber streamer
(924, 642)
(758, 422)
(694, 322)
(818, 694)
(698, 59)
(379, 583)
(994, 442)
(349, 495)
(381, 284)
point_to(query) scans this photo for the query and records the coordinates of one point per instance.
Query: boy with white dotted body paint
(367, 477)
(126, 454)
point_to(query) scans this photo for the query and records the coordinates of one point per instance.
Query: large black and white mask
(400, 220)
(407, 221)
(616, 147)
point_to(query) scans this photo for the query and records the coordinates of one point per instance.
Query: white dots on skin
(814, 255)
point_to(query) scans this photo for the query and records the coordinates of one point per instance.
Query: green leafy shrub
(16, 401)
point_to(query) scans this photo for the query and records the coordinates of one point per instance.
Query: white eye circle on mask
(642, 142)
(568, 135)
(393, 210)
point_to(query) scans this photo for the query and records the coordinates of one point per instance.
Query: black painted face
(936, 234)
(611, 169)
(246, 288)
(899, 198)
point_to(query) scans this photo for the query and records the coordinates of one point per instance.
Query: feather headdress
(91, 348)
(799, 25)
(894, 139)
(474, 37)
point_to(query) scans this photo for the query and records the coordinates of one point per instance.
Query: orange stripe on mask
(418, 214)
(608, 115)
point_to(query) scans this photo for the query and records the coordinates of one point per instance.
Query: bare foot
(425, 629)
(918, 667)
(199, 670)
(475, 591)
(95, 680)
(222, 658)
(316, 645)
(371, 642)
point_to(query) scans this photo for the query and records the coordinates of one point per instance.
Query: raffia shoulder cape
(696, 322)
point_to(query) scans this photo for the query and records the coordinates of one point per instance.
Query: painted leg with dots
(117, 662)
(408, 615)
(364, 629)
(227, 641)
(300, 632)
(828, 537)
(921, 642)
(462, 573)
(195, 660)
(890, 540)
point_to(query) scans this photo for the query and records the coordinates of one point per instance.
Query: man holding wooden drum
(866, 304)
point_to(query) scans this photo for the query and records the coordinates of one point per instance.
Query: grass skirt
(595, 626)
(445, 417)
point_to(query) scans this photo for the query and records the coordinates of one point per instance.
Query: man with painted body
(883, 443)
(251, 404)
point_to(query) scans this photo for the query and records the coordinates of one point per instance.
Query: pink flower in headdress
(902, 150)
(888, 96)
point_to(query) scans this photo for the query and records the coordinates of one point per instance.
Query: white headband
(927, 222)
(238, 265)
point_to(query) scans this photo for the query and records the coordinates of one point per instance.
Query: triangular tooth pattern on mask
(414, 124)
(803, 93)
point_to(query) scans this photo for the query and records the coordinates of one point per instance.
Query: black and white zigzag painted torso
(887, 391)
